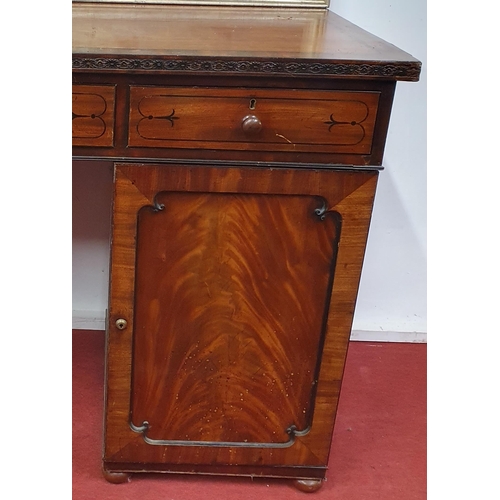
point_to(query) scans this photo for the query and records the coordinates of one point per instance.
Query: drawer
(253, 119)
(93, 115)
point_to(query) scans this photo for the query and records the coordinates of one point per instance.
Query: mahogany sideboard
(246, 145)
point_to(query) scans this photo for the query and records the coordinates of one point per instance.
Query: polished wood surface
(247, 145)
(295, 120)
(245, 279)
(93, 115)
(235, 312)
(151, 38)
(275, 50)
(339, 122)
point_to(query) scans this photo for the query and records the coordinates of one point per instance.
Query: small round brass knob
(251, 124)
(121, 324)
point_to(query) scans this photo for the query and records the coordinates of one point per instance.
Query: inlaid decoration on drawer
(253, 119)
(93, 115)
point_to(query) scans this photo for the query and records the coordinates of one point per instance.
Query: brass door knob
(251, 124)
(121, 324)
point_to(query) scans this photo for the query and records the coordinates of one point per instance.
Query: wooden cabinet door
(231, 302)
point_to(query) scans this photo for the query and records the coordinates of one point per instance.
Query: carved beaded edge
(403, 71)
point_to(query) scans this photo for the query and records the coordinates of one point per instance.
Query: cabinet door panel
(238, 287)
(229, 298)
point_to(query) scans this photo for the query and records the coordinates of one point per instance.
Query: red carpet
(378, 450)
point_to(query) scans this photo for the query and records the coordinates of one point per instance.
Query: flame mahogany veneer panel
(238, 286)
(230, 296)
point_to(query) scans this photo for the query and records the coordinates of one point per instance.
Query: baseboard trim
(95, 320)
(88, 320)
(383, 336)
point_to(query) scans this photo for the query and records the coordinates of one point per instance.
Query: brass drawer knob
(251, 124)
(121, 324)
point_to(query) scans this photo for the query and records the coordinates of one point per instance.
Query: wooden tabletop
(153, 38)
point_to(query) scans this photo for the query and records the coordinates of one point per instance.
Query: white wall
(392, 296)
(392, 299)
(92, 193)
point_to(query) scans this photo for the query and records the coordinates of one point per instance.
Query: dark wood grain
(230, 296)
(314, 121)
(284, 152)
(244, 193)
(93, 115)
(236, 259)
(152, 39)
(285, 472)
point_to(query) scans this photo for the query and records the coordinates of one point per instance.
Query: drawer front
(93, 115)
(253, 119)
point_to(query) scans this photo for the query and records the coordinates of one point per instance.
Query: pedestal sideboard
(246, 145)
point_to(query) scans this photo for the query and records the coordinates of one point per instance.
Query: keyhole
(253, 102)
(121, 324)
